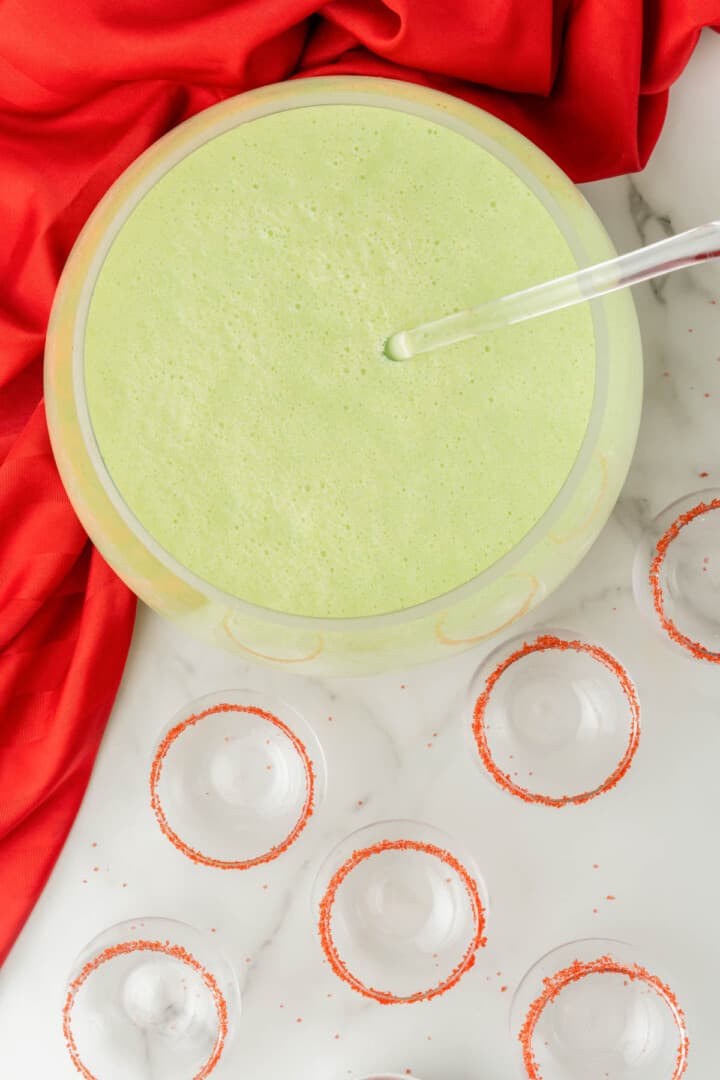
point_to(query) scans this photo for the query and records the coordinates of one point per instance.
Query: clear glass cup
(676, 574)
(401, 911)
(151, 999)
(478, 609)
(590, 1008)
(554, 719)
(235, 779)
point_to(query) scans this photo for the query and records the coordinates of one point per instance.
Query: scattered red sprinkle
(610, 897)
(403, 686)
(299, 1020)
(706, 395)
(213, 930)
(596, 866)
(94, 844)
(503, 989)
(703, 474)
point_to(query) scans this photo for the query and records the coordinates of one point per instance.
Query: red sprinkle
(385, 997)
(541, 644)
(198, 856)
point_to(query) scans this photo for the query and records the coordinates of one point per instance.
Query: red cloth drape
(85, 86)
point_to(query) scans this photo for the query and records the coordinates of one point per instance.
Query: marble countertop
(649, 838)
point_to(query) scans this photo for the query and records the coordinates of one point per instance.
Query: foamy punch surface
(234, 368)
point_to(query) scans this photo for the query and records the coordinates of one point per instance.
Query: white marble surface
(652, 837)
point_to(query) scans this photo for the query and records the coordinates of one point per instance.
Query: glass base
(151, 999)
(591, 1009)
(235, 779)
(555, 719)
(401, 915)
(676, 574)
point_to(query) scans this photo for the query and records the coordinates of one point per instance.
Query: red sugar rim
(534, 586)
(312, 655)
(193, 853)
(332, 955)
(694, 647)
(604, 965)
(164, 947)
(541, 644)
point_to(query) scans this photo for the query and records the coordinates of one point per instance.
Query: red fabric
(85, 85)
